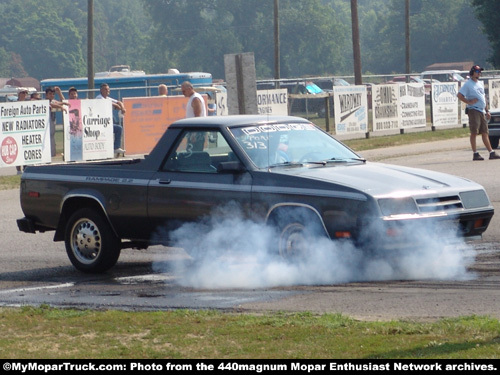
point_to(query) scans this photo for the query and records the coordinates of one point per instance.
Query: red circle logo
(9, 150)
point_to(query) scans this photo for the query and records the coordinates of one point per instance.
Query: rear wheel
(91, 245)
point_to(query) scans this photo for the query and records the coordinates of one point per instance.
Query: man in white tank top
(196, 105)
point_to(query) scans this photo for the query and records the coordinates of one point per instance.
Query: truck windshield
(269, 145)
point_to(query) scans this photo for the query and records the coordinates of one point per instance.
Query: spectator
(50, 93)
(162, 90)
(211, 106)
(21, 97)
(472, 94)
(117, 128)
(196, 105)
(35, 96)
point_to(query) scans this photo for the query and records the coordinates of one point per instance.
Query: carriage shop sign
(24, 133)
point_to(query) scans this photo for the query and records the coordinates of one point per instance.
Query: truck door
(192, 184)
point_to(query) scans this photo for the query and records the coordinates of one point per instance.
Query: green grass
(44, 332)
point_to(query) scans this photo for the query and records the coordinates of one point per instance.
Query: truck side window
(199, 151)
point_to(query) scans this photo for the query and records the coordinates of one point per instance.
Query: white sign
(412, 105)
(88, 130)
(24, 133)
(351, 109)
(221, 103)
(494, 93)
(272, 102)
(385, 99)
(444, 104)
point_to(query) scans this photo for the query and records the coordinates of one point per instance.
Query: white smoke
(236, 252)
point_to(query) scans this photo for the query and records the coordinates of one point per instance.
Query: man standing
(117, 128)
(196, 105)
(472, 94)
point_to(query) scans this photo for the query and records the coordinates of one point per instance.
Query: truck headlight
(397, 206)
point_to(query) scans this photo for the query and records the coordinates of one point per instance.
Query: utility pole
(276, 44)
(358, 79)
(407, 39)
(90, 48)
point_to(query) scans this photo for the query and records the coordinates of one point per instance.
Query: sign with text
(385, 99)
(88, 130)
(272, 102)
(221, 103)
(412, 105)
(351, 109)
(494, 93)
(444, 104)
(147, 118)
(24, 133)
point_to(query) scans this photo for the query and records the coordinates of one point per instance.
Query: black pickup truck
(282, 171)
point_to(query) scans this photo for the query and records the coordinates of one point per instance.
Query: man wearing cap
(472, 94)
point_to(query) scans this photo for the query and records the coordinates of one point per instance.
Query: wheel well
(70, 206)
(282, 215)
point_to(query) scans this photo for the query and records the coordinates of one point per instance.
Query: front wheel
(91, 245)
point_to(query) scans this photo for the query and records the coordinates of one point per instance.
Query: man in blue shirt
(472, 94)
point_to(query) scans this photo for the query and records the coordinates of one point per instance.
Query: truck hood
(378, 179)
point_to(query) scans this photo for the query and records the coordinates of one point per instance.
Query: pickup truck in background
(282, 171)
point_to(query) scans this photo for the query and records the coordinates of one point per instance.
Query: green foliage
(488, 12)
(48, 39)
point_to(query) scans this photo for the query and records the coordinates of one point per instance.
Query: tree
(195, 35)
(488, 12)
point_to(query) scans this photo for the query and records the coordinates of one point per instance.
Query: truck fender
(74, 201)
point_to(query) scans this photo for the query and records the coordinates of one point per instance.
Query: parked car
(443, 75)
(494, 128)
(281, 171)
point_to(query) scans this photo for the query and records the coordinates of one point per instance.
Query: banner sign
(24, 133)
(494, 93)
(385, 99)
(351, 109)
(412, 105)
(444, 104)
(88, 130)
(272, 102)
(221, 103)
(147, 118)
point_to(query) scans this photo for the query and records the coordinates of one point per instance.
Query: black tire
(296, 240)
(494, 141)
(91, 245)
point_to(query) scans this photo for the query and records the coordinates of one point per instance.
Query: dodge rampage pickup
(282, 171)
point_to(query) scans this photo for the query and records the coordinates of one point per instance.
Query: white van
(443, 75)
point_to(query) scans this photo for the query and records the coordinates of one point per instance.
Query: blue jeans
(117, 131)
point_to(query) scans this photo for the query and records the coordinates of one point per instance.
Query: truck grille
(451, 203)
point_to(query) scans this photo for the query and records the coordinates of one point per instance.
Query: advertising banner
(147, 118)
(412, 105)
(385, 99)
(351, 109)
(444, 104)
(221, 103)
(24, 133)
(88, 130)
(494, 93)
(272, 102)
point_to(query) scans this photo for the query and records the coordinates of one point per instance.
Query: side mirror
(230, 167)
